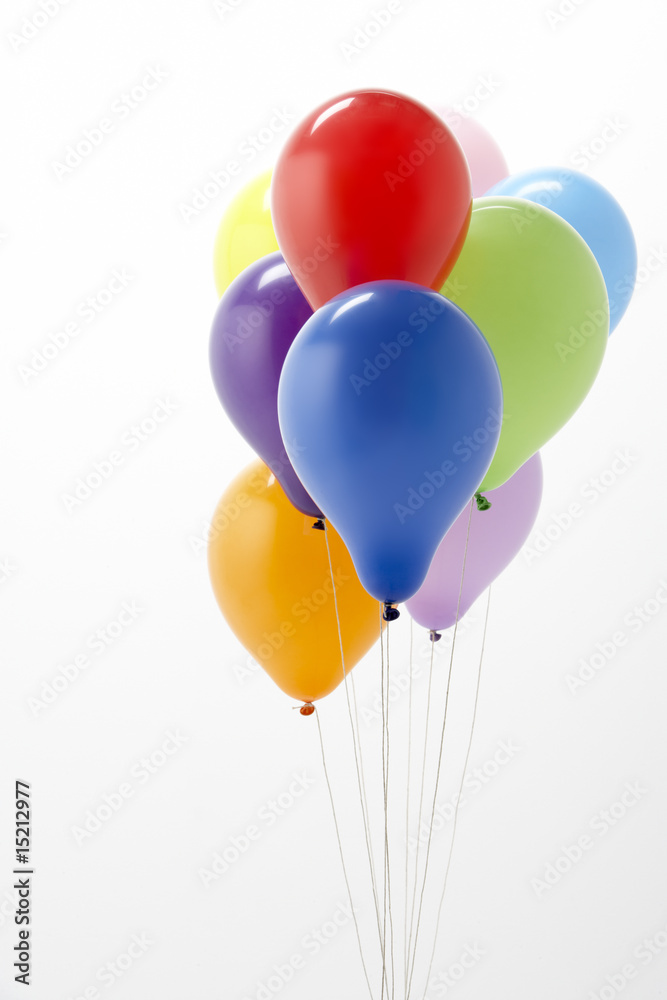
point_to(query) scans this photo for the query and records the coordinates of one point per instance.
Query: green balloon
(534, 289)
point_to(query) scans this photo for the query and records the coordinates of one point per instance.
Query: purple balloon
(257, 319)
(496, 536)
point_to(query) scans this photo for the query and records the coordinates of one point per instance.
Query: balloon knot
(390, 612)
(482, 502)
(307, 708)
(435, 636)
(319, 524)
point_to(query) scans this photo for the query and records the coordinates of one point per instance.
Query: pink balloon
(485, 159)
(496, 536)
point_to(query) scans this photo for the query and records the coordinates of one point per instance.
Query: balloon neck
(435, 636)
(390, 612)
(319, 524)
(482, 502)
(307, 708)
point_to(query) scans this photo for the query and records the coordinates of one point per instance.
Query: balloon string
(365, 799)
(442, 740)
(340, 849)
(419, 814)
(356, 743)
(386, 830)
(407, 815)
(384, 795)
(458, 799)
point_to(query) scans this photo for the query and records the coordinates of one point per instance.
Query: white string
(357, 749)
(340, 849)
(442, 740)
(407, 815)
(458, 800)
(421, 802)
(386, 821)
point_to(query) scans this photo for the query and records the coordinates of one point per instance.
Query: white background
(176, 666)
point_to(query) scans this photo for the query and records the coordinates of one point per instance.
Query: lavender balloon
(257, 319)
(496, 536)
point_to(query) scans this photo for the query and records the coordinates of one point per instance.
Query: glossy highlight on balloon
(371, 185)
(269, 571)
(394, 398)
(256, 321)
(245, 233)
(597, 217)
(534, 289)
(485, 542)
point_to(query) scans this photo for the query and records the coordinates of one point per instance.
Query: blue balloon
(390, 406)
(597, 217)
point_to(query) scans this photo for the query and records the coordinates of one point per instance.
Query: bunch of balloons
(396, 353)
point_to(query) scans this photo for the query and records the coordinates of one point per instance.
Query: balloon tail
(482, 502)
(435, 636)
(319, 525)
(390, 612)
(307, 708)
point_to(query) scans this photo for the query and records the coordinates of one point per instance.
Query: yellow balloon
(270, 575)
(245, 233)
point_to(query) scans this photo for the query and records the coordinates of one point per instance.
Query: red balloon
(371, 185)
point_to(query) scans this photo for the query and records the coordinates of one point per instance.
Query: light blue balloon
(595, 214)
(390, 406)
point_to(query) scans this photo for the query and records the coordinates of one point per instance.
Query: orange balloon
(270, 575)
